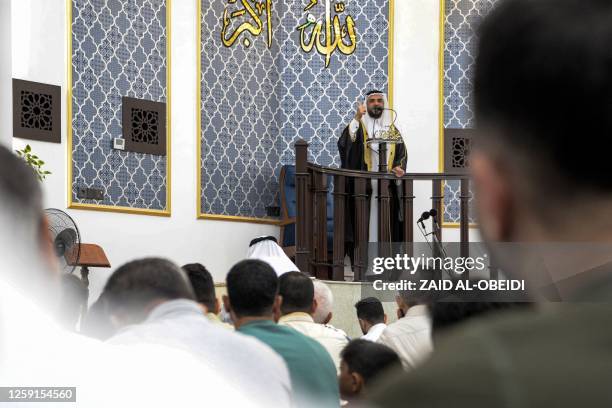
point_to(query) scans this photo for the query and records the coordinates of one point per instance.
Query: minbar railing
(312, 252)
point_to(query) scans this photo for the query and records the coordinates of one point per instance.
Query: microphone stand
(435, 245)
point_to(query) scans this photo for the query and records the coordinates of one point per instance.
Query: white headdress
(266, 249)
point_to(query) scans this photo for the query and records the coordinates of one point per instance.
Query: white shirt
(334, 340)
(410, 336)
(34, 351)
(374, 333)
(250, 365)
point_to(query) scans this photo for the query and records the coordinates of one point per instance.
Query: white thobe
(372, 133)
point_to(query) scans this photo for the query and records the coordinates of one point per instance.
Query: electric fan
(66, 239)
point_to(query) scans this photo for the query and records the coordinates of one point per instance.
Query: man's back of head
(362, 363)
(542, 92)
(325, 302)
(136, 287)
(297, 291)
(370, 310)
(24, 239)
(203, 286)
(252, 289)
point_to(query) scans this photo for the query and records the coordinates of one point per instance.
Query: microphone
(395, 115)
(424, 216)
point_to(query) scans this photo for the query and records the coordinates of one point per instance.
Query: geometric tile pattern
(460, 24)
(118, 49)
(256, 101)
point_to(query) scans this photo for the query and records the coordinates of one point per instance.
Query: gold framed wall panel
(442, 42)
(167, 212)
(203, 216)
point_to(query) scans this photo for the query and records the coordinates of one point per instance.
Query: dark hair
(136, 284)
(203, 285)
(371, 310)
(297, 291)
(454, 311)
(19, 187)
(369, 359)
(252, 286)
(542, 83)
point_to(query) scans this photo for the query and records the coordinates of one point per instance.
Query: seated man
(297, 308)
(204, 289)
(372, 318)
(362, 363)
(253, 301)
(153, 302)
(410, 335)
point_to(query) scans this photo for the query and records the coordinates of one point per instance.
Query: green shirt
(312, 371)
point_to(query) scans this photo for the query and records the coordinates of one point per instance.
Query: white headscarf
(266, 249)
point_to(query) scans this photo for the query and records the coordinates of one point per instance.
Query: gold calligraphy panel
(248, 18)
(325, 33)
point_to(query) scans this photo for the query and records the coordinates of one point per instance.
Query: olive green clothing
(559, 356)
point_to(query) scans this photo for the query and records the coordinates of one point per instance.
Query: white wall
(40, 46)
(6, 120)
(39, 54)
(416, 95)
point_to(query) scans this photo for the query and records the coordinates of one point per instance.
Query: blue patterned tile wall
(461, 21)
(118, 49)
(258, 100)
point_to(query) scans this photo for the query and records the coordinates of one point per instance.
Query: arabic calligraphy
(327, 34)
(253, 24)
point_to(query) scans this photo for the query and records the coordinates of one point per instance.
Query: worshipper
(373, 120)
(372, 318)
(266, 249)
(35, 351)
(362, 363)
(204, 289)
(73, 300)
(152, 302)
(540, 168)
(325, 302)
(25, 239)
(297, 292)
(253, 300)
(410, 335)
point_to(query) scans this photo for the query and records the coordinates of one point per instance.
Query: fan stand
(85, 281)
(90, 256)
